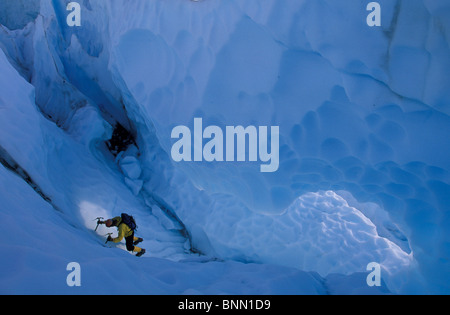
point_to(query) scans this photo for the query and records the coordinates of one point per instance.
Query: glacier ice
(16, 14)
(363, 115)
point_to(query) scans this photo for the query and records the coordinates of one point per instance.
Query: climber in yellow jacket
(124, 232)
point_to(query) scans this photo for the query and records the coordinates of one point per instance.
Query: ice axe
(98, 222)
(109, 234)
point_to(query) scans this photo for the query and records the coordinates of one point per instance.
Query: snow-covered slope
(363, 117)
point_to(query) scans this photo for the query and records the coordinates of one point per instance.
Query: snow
(364, 166)
(44, 242)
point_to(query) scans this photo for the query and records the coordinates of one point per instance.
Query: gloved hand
(109, 239)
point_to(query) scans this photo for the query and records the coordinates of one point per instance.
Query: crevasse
(363, 117)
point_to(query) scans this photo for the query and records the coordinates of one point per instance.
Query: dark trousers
(129, 242)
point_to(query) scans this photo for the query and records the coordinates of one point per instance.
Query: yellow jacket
(124, 230)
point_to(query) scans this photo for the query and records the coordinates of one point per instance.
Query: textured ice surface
(360, 109)
(16, 14)
(363, 116)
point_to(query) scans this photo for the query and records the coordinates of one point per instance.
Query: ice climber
(126, 226)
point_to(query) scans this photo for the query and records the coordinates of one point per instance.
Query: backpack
(129, 220)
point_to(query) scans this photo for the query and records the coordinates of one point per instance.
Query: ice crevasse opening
(363, 117)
